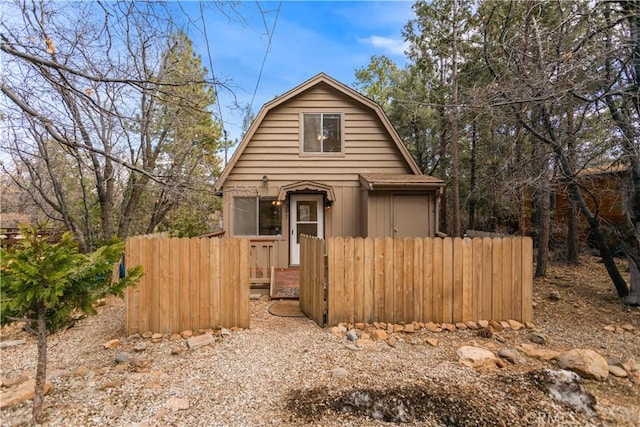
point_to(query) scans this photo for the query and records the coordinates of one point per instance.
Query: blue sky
(309, 37)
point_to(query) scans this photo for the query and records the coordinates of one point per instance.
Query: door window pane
(307, 210)
(308, 229)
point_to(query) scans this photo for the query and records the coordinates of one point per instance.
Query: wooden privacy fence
(196, 283)
(444, 280)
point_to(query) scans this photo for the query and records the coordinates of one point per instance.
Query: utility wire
(266, 53)
(215, 82)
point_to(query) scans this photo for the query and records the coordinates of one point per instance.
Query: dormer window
(321, 133)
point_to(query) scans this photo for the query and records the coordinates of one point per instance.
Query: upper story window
(321, 133)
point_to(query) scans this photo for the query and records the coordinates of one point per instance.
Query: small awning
(306, 186)
(383, 181)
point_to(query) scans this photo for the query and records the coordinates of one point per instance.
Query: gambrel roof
(318, 79)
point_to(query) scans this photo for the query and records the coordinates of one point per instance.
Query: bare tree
(95, 89)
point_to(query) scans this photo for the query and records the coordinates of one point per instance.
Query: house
(323, 160)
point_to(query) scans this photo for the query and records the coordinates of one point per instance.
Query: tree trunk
(543, 211)
(572, 219)
(455, 162)
(41, 370)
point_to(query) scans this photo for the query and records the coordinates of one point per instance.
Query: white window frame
(321, 152)
(257, 201)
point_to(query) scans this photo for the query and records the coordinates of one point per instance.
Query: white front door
(306, 218)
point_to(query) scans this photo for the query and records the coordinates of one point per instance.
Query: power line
(215, 83)
(266, 53)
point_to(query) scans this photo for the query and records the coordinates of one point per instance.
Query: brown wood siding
(275, 147)
(379, 206)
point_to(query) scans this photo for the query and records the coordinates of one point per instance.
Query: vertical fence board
(204, 284)
(477, 279)
(369, 257)
(467, 281)
(216, 260)
(516, 278)
(438, 294)
(331, 286)
(164, 287)
(447, 279)
(349, 279)
(185, 301)
(507, 280)
(243, 285)
(398, 279)
(458, 270)
(427, 283)
(194, 283)
(388, 280)
(173, 277)
(407, 281)
(496, 279)
(145, 288)
(527, 279)
(487, 277)
(232, 303)
(418, 279)
(378, 278)
(358, 279)
(154, 261)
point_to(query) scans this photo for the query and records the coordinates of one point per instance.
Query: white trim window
(322, 133)
(253, 216)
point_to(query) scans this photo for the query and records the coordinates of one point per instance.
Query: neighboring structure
(324, 160)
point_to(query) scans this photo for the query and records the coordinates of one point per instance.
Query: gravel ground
(288, 371)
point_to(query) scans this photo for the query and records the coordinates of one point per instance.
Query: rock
(140, 346)
(635, 377)
(342, 328)
(134, 337)
(361, 342)
(530, 325)
(177, 350)
(566, 387)
(176, 404)
(609, 328)
(554, 296)
(81, 371)
(510, 355)
(339, 372)
(496, 325)
(111, 384)
(336, 331)
(631, 365)
(200, 341)
(471, 324)
(500, 338)
(483, 323)
(156, 337)
(147, 335)
(392, 342)
(22, 392)
(476, 357)
(537, 338)
(515, 325)
(12, 343)
(175, 337)
(398, 328)
(365, 336)
(433, 342)
(619, 330)
(449, 327)
(10, 382)
(432, 327)
(359, 325)
(111, 343)
(140, 363)
(461, 325)
(628, 327)
(186, 334)
(123, 357)
(379, 335)
(617, 371)
(409, 328)
(225, 332)
(352, 335)
(587, 363)
(505, 325)
(539, 353)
